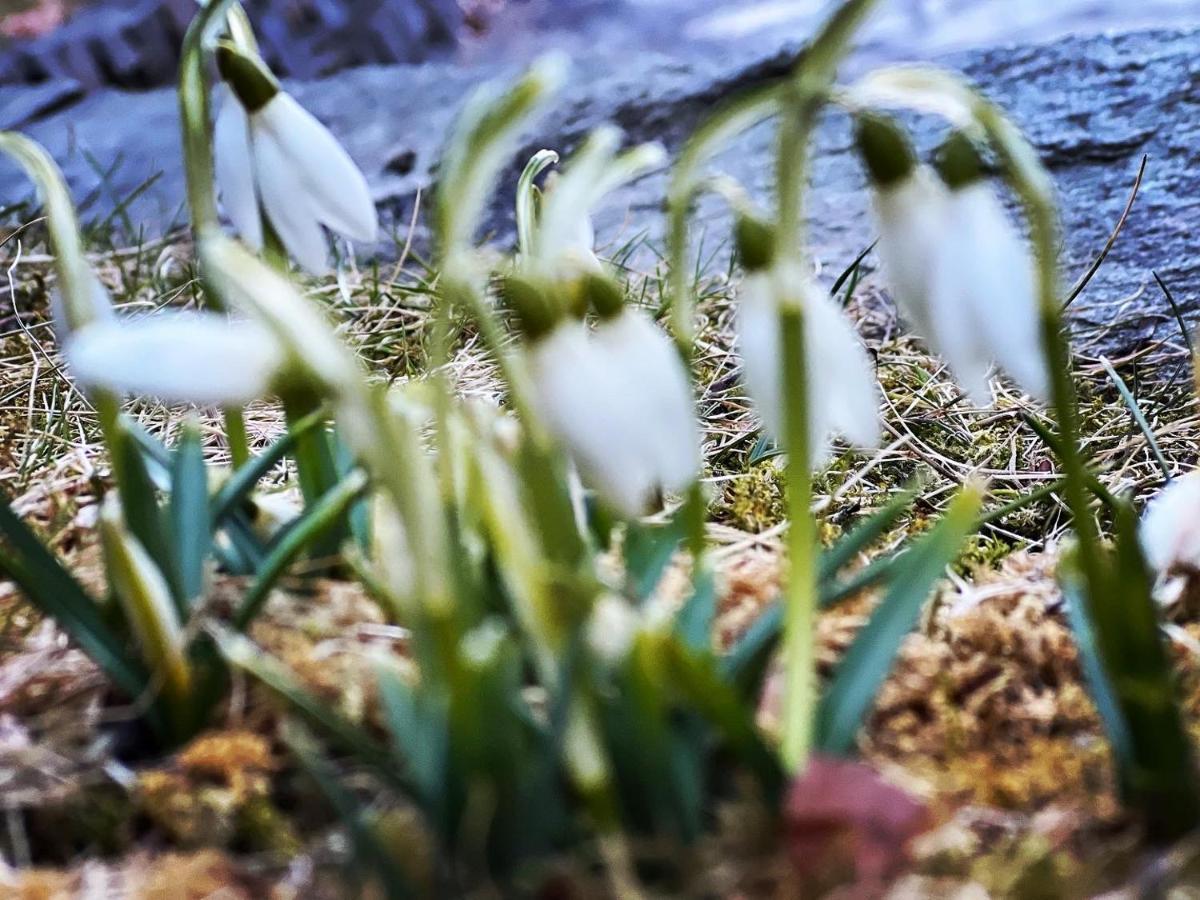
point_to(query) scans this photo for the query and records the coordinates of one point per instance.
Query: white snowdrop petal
(179, 357)
(758, 345)
(657, 393)
(289, 206)
(843, 398)
(1170, 527)
(581, 403)
(841, 374)
(911, 218)
(957, 336)
(235, 167)
(337, 189)
(1002, 292)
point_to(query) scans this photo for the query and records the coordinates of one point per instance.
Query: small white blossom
(178, 357)
(1170, 528)
(985, 294)
(658, 395)
(280, 158)
(961, 275)
(842, 396)
(584, 403)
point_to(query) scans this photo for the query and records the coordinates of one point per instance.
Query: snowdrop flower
(583, 401)
(274, 157)
(179, 357)
(1170, 528)
(842, 396)
(657, 391)
(960, 273)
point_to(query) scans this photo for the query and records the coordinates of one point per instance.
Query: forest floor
(985, 718)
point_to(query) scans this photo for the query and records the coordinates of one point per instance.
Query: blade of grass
(870, 658)
(1183, 328)
(1138, 417)
(191, 527)
(52, 589)
(317, 521)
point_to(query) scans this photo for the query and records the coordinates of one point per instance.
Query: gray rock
(1092, 106)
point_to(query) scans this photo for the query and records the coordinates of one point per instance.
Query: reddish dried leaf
(843, 822)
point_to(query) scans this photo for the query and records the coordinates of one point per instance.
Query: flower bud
(536, 312)
(885, 149)
(958, 162)
(755, 242)
(602, 294)
(248, 76)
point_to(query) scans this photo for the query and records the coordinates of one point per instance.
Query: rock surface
(1092, 106)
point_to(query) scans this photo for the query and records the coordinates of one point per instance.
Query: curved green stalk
(526, 214)
(803, 593)
(687, 180)
(77, 283)
(803, 97)
(194, 116)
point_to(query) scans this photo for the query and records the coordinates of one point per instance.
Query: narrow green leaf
(866, 533)
(419, 734)
(52, 589)
(139, 503)
(1135, 688)
(235, 491)
(368, 850)
(694, 624)
(360, 512)
(324, 515)
(190, 524)
(1092, 663)
(150, 610)
(697, 677)
(648, 550)
(244, 654)
(869, 659)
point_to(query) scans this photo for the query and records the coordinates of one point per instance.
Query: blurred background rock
(133, 43)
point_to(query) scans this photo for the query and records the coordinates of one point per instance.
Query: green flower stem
(802, 593)
(236, 437)
(194, 116)
(739, 115)
(75, 278)
(1032, 184)
(804, 96)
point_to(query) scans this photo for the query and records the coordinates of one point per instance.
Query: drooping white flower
(274, 156)
(658, 394)
(985, 297)
(1170, 528)
(911, 217)
(958, 270)
(585, 405)
(178, 357)
(842, 395)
